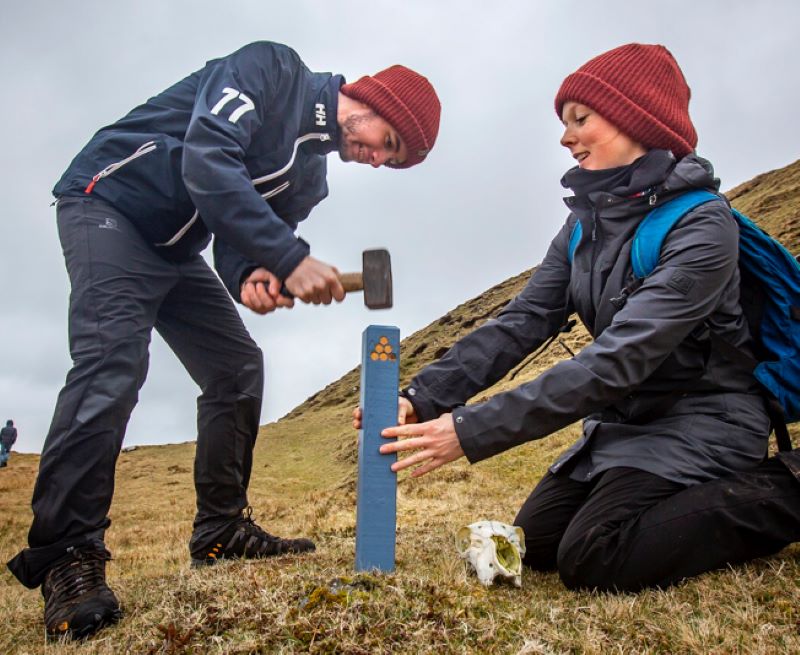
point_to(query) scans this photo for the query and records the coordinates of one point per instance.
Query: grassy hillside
(304, 483)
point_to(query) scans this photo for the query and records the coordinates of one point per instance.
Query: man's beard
(351, 127)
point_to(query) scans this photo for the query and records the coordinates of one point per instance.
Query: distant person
(236, 150)
(8, 437)
(669, 478)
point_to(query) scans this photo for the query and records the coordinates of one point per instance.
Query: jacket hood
(691, 172)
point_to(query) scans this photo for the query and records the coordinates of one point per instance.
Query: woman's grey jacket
(651, 350)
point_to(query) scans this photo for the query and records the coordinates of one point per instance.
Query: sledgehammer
(375, 279)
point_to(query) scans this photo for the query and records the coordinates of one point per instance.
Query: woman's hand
(435, 441)
(405, 413)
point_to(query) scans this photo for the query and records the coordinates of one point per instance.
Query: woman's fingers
(408, 430)
(405, 412)
(403, 444)
(411, 460)
(426, 468)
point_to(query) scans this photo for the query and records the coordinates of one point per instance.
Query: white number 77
(231, 94)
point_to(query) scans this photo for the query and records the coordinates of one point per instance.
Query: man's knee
(250, 376)
(104, 380)
(242, 376)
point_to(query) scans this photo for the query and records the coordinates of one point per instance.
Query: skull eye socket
(463, 540)
(507, 555)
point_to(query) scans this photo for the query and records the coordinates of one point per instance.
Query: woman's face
(594, 142)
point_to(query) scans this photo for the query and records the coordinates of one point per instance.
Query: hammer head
(377, 271)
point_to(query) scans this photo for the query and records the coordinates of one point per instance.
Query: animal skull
(493, 549)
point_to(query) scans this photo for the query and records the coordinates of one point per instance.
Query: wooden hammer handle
(352, 281)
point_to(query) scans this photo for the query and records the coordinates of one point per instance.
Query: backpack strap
(653, 229)
(778, 419)
(574, 240)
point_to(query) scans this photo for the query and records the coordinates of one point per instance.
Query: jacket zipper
(108, 170)
(594, 256)
(321, 136)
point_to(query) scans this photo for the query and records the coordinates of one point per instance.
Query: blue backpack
(770, 299)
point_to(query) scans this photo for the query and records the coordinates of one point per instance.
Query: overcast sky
(482, 208)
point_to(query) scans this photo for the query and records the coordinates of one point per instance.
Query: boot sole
(202, 563)
(88, 630)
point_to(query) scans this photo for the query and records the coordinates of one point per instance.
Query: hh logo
(320, 113)
(109, 224)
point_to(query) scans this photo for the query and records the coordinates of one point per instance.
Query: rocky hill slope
(771, 199)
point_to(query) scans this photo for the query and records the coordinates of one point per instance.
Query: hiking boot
(246, 539)
(77, 600)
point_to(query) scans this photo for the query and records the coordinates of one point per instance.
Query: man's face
(595, 143)
(369, 139)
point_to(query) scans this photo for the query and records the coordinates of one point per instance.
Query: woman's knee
(597, 560)
(588, 560)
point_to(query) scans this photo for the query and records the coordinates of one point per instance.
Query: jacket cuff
(243, 272)
(423, 407)
(291, 259)
(234, 283)
(476, 442)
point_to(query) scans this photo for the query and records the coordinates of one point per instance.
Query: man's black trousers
(628, 529)
(121, 290)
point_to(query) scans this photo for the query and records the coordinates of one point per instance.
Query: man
(235, 150)
(8, 436)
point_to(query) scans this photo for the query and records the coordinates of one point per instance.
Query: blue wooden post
(376, 510)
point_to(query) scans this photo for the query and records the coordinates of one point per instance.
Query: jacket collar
(319, 113)
(655, 176)
(594, 188)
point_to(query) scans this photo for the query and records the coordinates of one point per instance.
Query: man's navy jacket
(236, 149)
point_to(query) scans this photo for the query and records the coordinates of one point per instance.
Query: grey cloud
(484, 207)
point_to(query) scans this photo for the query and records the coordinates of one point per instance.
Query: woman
(664, 414)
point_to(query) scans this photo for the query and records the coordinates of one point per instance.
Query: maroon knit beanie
(407, 101)
(641, 90)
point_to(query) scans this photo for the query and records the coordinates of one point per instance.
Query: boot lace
(258, 542)
(85, 572)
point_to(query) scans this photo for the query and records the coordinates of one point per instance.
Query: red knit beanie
(407, 101)
(641, 90)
